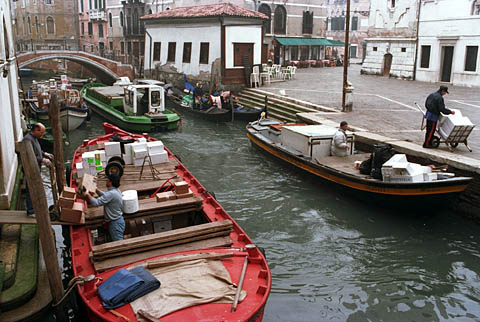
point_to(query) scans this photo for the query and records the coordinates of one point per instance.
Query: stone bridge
(106, 70)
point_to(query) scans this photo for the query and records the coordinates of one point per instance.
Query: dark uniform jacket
(435, 104)
(37, 149)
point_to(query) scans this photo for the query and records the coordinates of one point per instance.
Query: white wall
(395, 20)
(195, 33)
(449, 23)
(10, 125)
(243, 34)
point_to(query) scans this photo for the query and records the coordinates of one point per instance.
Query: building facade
(45, 25)
(10, 123)
(191, 40)
(92, 24)
(448, 42)
(359, 19)
(391, 41)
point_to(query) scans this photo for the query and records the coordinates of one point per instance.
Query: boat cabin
(144, 99)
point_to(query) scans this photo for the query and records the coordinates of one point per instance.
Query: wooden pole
(231, 106)
(55, 123)
(345, 55)
(47, 239)
(266, 106)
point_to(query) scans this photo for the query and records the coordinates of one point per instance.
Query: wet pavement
(381, 105)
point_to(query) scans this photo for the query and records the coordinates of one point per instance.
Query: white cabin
(144, 99)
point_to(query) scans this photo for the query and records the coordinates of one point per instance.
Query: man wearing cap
(112, 203)
(435, 106)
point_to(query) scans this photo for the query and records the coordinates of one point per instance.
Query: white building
(10, 124)
(391, 38)
(448, 41)
(189, 39)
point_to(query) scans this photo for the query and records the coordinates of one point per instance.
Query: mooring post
(231, 105)
(266, 106)
(47, 239)
(55, 123)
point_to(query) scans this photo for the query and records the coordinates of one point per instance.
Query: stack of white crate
(113, 149)
(398, 169)
(92, 163)
(135, 153)
(456, 127)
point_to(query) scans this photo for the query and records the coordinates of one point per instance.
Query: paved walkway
(381, 105)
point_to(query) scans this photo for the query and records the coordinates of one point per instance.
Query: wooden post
(47, 239)
(266, 106)
(55, 123)
(345, 55)
(231, 105)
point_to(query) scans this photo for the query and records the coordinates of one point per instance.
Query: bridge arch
(106, 70)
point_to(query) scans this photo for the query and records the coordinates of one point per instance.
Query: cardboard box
(66, 202)
(113, 148)
(74, 214)
(68, 192)
(161, 157)
(189, 194)
(181, 187)
(88, 184)
(164, 196)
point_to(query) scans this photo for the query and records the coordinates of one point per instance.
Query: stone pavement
(380, 104)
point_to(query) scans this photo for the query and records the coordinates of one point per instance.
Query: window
(36, 25)
(425, 57)
(149, 11)
(280, 20)
(81, 5)
(204, 52)
(90, 29)
(187, 52)
(242, 54)
(157, 46)
(375, 48)
(471, 59)
(337, 23)
(476, 8)
(111, 45)
(122, 48)
(83, 28)
(142, 48)
(315, 51)
(50, 26)
(265, 9)
(171, 51)
(129, 48)
(84, 48)
(110, 23)
(355, 23)
(30, 26)
(393, 3)
(404, 49)
(294, 53)
(307, 26)
(100, 30)
(48, 2)
(121, 18)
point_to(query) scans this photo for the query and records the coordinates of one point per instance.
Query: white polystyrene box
(457, 124)
(88, 158)
(113, 148)
(430, 176)
(155, 147)
(161, 157)
(128, 148)
(143, 140)
(127, 157)
(139, 153)
(80, 169)
(139, 162)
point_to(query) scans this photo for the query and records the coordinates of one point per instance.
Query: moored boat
(189, 224)
(137, 108)
(267, 135)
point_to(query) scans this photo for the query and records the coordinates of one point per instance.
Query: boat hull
(76, 116)
(257, 279)
(220, 116)
(391, 191)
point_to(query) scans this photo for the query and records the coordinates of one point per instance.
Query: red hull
(257, 281)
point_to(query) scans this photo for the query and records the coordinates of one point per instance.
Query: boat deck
(345, 164)
(112, 91)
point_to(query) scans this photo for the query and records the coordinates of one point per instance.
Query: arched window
(149, 11)
(280, 20)
(110, 23)
(265, 9)
(36, 25)
(135, 21)
(50, 26)
(29, 25)
(121, 18)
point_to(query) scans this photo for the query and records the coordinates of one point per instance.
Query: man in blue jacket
(435, 106)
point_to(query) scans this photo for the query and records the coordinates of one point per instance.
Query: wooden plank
(165, 261)
(149, 204)
(162, 237)
(119, 261)
(40, 205)
(20, 217)
(56, 126)
(182, 241)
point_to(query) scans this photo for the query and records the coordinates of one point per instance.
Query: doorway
(447, 59)
(387, 64)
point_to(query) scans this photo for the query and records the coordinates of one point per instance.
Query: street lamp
(345, 56)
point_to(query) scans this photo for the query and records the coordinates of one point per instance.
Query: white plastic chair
(294, 69)
(255, 77)
(265, 75)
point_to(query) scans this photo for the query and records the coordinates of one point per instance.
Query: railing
(96, 14)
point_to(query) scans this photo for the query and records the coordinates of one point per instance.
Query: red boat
(234, 253)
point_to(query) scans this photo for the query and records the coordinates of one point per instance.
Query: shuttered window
(204, 52)
(187, 52)
(307, 27)
(425, 57)
(172, 46)
(471, 59)
(157, 47)
(354, 23)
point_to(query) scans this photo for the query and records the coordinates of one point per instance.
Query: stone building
(359, 18)
(200, 40)
(45, 24)
(391, 40)
(448, 42)
(92, 26)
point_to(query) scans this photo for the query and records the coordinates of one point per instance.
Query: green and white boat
(136, 108)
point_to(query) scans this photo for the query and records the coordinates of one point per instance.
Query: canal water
(332, 256)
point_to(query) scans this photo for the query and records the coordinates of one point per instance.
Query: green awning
(295, 41)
